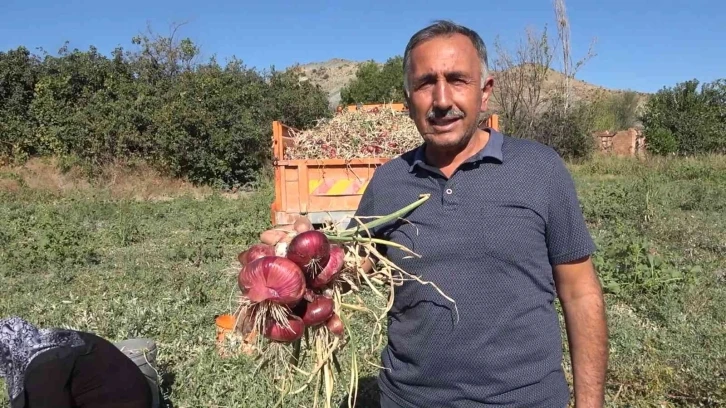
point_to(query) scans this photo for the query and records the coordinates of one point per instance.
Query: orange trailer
(324, 190)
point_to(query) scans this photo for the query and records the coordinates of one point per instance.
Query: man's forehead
(445, 43)
(443, 54)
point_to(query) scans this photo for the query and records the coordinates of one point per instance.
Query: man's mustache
(439, 114)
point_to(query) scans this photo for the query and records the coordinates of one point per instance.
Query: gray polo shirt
(487, 237)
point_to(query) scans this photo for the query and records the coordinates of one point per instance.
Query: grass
(121, 266)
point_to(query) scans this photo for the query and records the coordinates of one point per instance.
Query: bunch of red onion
(291, 289)
(292, 285)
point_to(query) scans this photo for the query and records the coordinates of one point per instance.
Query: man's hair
(444, 28)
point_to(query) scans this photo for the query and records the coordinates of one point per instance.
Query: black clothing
(96, 375)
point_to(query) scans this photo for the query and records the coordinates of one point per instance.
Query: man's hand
(582, 301)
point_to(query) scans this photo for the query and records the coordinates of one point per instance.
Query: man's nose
(442, 95)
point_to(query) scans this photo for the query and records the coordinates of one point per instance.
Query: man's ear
(486, 93)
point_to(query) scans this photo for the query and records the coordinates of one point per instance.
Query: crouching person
(63, 368)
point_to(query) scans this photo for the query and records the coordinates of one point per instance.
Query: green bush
(615, 112)
(660, 141)
(202, 121)
(696, 119)
(375, 84)
(294, 102)
(568, 132)
(18, 75)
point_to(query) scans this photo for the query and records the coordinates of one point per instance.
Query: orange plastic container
(325, 190)
(225, 325)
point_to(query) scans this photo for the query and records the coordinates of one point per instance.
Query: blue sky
(641, 44)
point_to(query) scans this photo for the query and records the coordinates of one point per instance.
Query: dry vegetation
(331, 75)
(124, 182)
(380, 132)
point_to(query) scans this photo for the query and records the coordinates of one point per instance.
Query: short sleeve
(568, 237)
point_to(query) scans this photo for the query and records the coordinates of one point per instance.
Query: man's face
(445, 93)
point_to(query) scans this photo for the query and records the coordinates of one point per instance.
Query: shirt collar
(493, 149)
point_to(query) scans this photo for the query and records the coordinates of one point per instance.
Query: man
(502, 235)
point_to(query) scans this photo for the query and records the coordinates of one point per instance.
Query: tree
(294, 101)
(160, 58)
(615, 111)
(156, 102)
(18, 76)
(568, 67)
(685, 120)
(520, 82)
(375, 84)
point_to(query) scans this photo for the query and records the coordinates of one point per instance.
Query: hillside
(333, 74)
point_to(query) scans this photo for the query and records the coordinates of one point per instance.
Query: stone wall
(623, 143)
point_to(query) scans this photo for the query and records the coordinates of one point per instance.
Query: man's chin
(443, 137)
(450, 142)
(444, 144)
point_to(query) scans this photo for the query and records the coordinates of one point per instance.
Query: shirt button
(448, 191)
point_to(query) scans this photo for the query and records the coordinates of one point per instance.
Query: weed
(121, 268)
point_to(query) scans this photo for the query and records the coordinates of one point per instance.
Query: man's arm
(578, 288)
(581, 296)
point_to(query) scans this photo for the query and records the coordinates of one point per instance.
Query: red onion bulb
(309, 250)
(272, 278)
(277, 332)
(335, 325)
(255, 251)
(317, 311)
(331, 269)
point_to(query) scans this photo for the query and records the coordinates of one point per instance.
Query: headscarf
(21, 342)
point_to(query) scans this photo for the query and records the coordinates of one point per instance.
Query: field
(122, 264)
